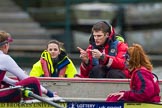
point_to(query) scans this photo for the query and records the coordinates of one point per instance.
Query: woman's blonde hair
(138, 58)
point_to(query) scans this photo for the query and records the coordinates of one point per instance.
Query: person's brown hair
(60, 44)
(103, 26)
(138, 57)
(4, 36)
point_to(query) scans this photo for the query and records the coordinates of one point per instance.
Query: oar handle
(10, 88)
(29, 93)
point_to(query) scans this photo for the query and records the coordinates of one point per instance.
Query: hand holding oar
(29, 93)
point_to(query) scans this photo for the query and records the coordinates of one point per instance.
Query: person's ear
(4, 46)
(107, 34)
(60, 51)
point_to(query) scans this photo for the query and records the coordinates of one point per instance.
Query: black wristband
(49, 93)
(86, 63)
(102, 57)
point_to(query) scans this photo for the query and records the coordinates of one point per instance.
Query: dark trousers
(104, 72)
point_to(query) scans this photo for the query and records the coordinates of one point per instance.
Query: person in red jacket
(144, 85)
(104, 56)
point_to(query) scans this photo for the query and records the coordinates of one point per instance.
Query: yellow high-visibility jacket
(60, 67)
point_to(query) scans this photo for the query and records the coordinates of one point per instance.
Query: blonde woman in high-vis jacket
(54, 62)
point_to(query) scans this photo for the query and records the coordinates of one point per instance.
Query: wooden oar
(29, 93)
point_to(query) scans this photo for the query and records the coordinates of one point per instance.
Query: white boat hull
(85, 87)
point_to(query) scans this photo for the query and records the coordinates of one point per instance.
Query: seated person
(144, 86)
(104, 56)
(7, 64)
(54, 62)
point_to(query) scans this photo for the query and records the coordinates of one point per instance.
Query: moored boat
(81, 93)
(86, 87)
